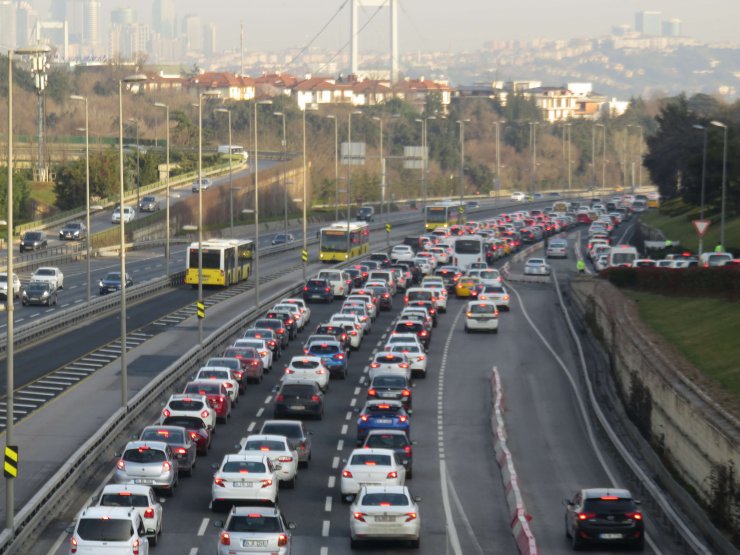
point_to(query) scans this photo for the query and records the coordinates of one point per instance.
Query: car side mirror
(70, 530)
(417, 499)
(567, 502)
(218, 523)
(291, 526)
(214, 466)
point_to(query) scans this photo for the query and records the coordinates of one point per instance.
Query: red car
(196, 429)
(251, 361)
(218, 397)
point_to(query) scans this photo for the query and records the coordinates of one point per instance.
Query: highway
(450, 423)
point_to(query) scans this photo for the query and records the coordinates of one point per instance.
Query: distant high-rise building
(122, 16)
(209, 32)
(25, 20)
(671, 27)
(91, 24)
(127, 41)
(192, 28)
(621, 30)
(7, 25)
(164, 18)
(648, 23)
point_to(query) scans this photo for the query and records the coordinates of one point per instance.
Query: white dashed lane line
(335, 463)
(332, 482)
(344, 429)
(325, 528)
(251, 426)
(203, 527)
(269, 398)
(340, 445)
(259, 412)
(348, 415)
(327, 504)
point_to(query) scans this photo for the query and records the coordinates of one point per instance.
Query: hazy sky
(440, 24)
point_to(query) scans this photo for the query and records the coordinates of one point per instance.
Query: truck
(236, 150)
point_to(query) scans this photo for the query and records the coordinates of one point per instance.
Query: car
(308, 368)
(235, 366)
(277, 449)
(604, 516)
(219, 398)
(247, 528)
(49, 274)
(557, 248)
(113, 530)
(332, 354)
(389, 362)
(129, 214)
(393, 387)
(415, 355)
(269, 336)
(360, 310)
(318, 290)
(368, 299)
(179, 440)
(302, 306)
(190, 405)
(204, 184)
(481, 315)
(4, 285)
(450, 276)
(402, 252)
(33, 241)
(140, 498)
(381, 258)
(643, 263)
(536, 267)
(73, 231)
(385, 512)
(383, 415)
(289, 323)
(276, 325)
(298, 438)
(244, 478)
(112, 282)
(518, 196)
(440, 297)
(339, 281)
(282, 239)
(148, 463)
(149, 203)
(263, 350)
(396, 440)
(300, 317)
(366, 213)
(39, 293)
(250, 360)
(335, 330)
(383, 294)
(487, 276)
(416, 328)
(353, 329)
(196, 428)
(496, 293)
(221, 374)
(467, 286)
(370, 466)
(299, 397)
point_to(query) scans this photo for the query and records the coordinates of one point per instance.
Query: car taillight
(405, 300)
(421, 357)
(149, 513)
(339, 356)
(327, 289)
(372, 392)
(403, 365)
(634, 516)
(374, 365)
(282, 540)
(285, 459)
(135, 547)
(220, 482)
(73, 546)
(180, 451)
(403, 418)
(301, 446)
(238, 374)
(406, 393)
(346, 474)
(386, 295)
(272, 343)
(280, 330)
(166, 466)
(353, 333)
(359, 516)
(280, 398)
(321, 371)
(120, 464)
(290, 321)
(289, 371)
(225, 538)
(363, 417)
(266, 483)
(586, 516)
(407, 449)
(193, 435)
(392, 474)
(166, 413)
(255, 363)
(305, 288)
(423, 333)
(205, 414)
(315, 398)
(229, 385)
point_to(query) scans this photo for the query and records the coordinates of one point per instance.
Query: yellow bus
(225, 261)
(443, 214)
(342, 241)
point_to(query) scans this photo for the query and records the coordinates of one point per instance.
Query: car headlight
(45, 294)
(100, 283)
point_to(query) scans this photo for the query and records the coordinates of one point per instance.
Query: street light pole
(336, 166)
(87, 190)
(231, 188)
(497, 185)
(167, 190)
(724, 183)
(462, 123)
(305, 198)
(570, 172)
(284, 143)
(257, 208)
(9, 349)
(703, 180)
(382, 166)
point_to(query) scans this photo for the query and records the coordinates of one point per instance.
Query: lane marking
(332, 482)
(327, 504)
(344, 429)
(268, 399)
(203, 526)
(325, 528)
(353, 402)
(348, 415)
(324, 551)
(340, 445)
(335, 462)
(259, 412)
(357, 391)
(193, 551)
(251, 426)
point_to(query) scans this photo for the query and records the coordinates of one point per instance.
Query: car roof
(161, 445)
(593, 493)
(266, 437)
(256, 510)
(136, 489)
(96, 511)
(246, 456)
(372, 451)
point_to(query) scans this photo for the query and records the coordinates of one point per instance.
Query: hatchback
(254, 529)
(386, 512)
(382, 415)
(396, 440)
(604, 516)
(299, 397)
(148, 463)
(298, 438)
(177, 437)
(391, 387)
(216, 393)
(142, 499)
(112, 530)
(318, 290)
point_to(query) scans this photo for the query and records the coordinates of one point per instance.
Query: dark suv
(410, 326)
(33, 240)
(275, 325)
(318, 290)
(299, 397)
(288, 321)
(604, 516)
(335, 330)
(396, 440)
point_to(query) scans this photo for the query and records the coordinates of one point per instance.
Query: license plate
(611, 536)
(143, 481)
(384, 421)
(385, 518)
(315, 296)
(243, 484)
(387, 394)
(254, 543)
(297, 407)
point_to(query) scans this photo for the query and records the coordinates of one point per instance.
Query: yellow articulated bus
(225, 262)
(342, 241)
(443, 214)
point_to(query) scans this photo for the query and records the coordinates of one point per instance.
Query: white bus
(468, 249)
(236, 150)
(622, 255)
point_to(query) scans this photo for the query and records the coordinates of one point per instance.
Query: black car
(273, 341)
(391, 387)
(39, 292)
(396, 440)
(413, 268)
(318, 290)
(356, 276)
(604, 516)
(385, 299)
(73, 231)
(299, 397)
(449, 275)
(430, 306)
(149, 203)
(275, 325)
(411, 326)
(33, 241)
(179, 440)
(112, 282)
(335, 330)
(381, 258)
(288, 321)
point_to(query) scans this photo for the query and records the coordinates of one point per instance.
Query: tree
(21, 193)
(104, 179)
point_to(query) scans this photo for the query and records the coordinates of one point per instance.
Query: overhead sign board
(353, 154)
(414, 158)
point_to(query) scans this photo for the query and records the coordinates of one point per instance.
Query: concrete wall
(691, 431)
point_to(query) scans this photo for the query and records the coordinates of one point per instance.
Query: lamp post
(461, 123)
(382, 165)
(497, 185)
(231, 189)
(122, 236)
(305, 199)
(79, 98)
(336, 165)
(350, 157)
(257, 207)
(603, 155)
(724, 182)
(284, 144)
(424, 158)
(533, 143)
(167, 189)
(138, 167)
(9, 368)
(703, 179)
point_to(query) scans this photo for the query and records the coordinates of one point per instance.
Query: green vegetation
(704, 330)
(42, 193)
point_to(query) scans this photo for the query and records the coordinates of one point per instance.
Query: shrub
(722, 282)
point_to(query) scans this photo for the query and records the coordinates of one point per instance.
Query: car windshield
(254, 523)
(186, 405)
(389, 359)
(305, 364)
(387, 441)
(215, 374)
(184, 421)
(232, 363)
(269, 324)
(203, 388)
(535, 262)
(287, 430)
(105, 529)
(37, 287)
(32, 236)
(44, 272)
(601, 505)
(482, 308)
(144, 455)
(168, 436)
(73, 227)
(148, 199)
(112, 276)
(317, 283)
(406, 349)
(389, 381)
(243, 352)
(385, 500)
(298, 390)
(371, 459)
(244, 467)
(383, 407)
(420, 295)
(264, 445)
(324, 349)
(407, 327)
(123, 499)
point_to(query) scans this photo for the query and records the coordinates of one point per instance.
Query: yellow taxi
(467, 286)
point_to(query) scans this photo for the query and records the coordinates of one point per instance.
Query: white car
(396, 338)
(368, 300)
(300, 317)
(357, 333)
(4, 285)
(442, 254)
(496, 293)
(220, 374)
(361, 311)
(183, 404)
(263, 348)
(518, 196)
(276, 448)
(303, 305)
(49, 274)
(129, 214)
(401, 253)
(440, 296)
(384, 513)
(536, 267)
(415, 355)
(389, 362)
(243, 478)
(487, 276)
(432, 281)
(371, 467)
(142, 499)
(109, 530)
(425, 266)
(340, 281)
(205, 183)
(481, 315)
(307, 367)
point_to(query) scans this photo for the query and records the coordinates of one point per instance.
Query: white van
(236, 150)
(622, 255)
(711, 259)
(339, 280)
